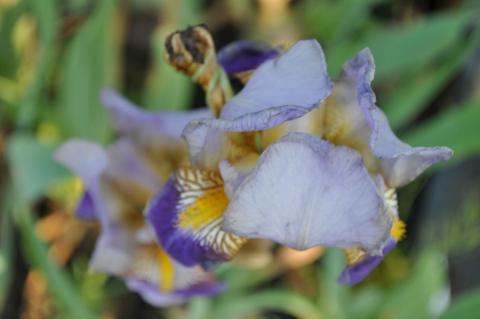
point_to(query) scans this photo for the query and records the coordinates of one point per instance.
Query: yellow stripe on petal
(166, 271)
(204, 209)
(201, 206)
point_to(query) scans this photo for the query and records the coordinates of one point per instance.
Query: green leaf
(332, 297)
(402, 50)
(366, 303)
(59, 283)
(168, 89)
(275, 300)
(6, 248)
(45, 13)
(335, 21)
(407, 101)
(33, 171)
(241, 278)
(466, 306)
(8, 21)
(32, 167)
(89, 64)
(412, 298)
(198, 308)
(457, 128)
(47, 20)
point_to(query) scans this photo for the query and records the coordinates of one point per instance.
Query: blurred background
(55, 56)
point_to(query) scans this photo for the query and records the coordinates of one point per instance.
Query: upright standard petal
(280, 90)
(306, 192)
(353, 119)
(86, 159)
(187, 216)
(131, 120)
(155, 135)
(296, 81)
(244, 55)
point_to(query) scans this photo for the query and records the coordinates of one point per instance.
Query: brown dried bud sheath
(192, 52)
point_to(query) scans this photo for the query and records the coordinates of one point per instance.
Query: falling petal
(359, 271)
(86, 207)
(187, 216)
(306, 192)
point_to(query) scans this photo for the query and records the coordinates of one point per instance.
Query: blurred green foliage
(50, 78)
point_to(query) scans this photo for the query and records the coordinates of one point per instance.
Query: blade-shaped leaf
(458, 129)
(166, 88)
(88, 66)
(405, 49)
(32, 167)
(407, 101)
(466, 306)
(274, 300)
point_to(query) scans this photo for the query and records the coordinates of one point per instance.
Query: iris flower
(118, 182)
(296, 159)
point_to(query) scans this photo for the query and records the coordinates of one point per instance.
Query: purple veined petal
(148, 270)
(159, 277)
(353, 119)
(96, 166)
(89, 161)
(187, 216)
(352, 275)
(131, 120)
(280, 90)
(162, 215)
(86, 207)
(306, 192)
(244, 55)
(112, 180)
(151, 294)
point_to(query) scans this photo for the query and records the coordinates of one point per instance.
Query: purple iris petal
(135, 122)
(398, 162)
(305, 192)
(154, 296)
(86, 207)
(162, 215)
(118, 182)
(280, 90)
(354, 274)
(244, 55)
